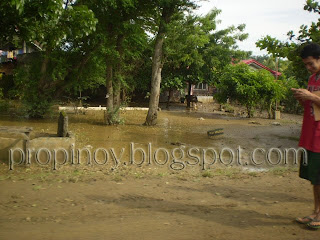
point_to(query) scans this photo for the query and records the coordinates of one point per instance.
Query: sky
(262, 17)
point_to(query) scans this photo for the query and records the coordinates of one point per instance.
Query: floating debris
(177, 143)
(215, 132)
(254, 122)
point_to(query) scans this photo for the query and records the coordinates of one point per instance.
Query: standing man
(310, 133)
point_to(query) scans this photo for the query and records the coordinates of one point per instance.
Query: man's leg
(304, 172)
(316, 190)
(316, 213)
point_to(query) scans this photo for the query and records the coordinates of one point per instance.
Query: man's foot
(315, 224)
(305, 220)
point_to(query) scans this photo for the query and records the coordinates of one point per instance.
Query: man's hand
(302, 94)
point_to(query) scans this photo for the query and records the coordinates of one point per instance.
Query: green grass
(281, 171)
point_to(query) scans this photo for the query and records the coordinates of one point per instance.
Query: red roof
(252, 61)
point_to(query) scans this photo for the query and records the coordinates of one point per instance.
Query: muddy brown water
(182, 133)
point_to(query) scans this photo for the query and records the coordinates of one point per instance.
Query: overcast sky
(262, 17)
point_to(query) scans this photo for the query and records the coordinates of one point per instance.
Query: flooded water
(178, 134)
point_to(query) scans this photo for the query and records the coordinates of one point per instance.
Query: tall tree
(167, 9)
(195, 51)
(121, 36)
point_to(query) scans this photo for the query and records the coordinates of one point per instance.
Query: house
(255, 65)
(203, 91)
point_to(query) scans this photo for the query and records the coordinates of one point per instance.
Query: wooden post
(62, 125)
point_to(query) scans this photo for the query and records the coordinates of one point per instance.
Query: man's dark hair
(310, 50)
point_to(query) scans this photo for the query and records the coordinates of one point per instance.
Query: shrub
(250, 88)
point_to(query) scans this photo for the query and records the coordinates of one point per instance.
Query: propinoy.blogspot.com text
(177, 158)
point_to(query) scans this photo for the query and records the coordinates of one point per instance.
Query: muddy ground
(153, 201)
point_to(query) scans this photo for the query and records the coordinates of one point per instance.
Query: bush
(291, 105)
(37, 106)
(249, 88)
(36, 100)
(4, 106)
(272, 92)
(112, 117)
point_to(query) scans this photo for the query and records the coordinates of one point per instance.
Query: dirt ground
(155, 202)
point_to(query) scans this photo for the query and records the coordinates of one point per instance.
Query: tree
(121, 39)
(183, 61)
(52, 24)
(80, 60)
(167, 10)
(11, 15)
(196, 52)
(290, 49)
(221, 50)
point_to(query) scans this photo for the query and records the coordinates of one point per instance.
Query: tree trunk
(116, 99)
(43, 73)
(109, 95)
(117, 77)
(188, 98)
(124, 95)
(155, 81)
(270, 111)
(249, 110)
(157, 67)
(170, 93)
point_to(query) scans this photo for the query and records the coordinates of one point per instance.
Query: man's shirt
(310, 133)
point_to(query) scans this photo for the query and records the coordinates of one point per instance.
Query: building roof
(257, 65)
